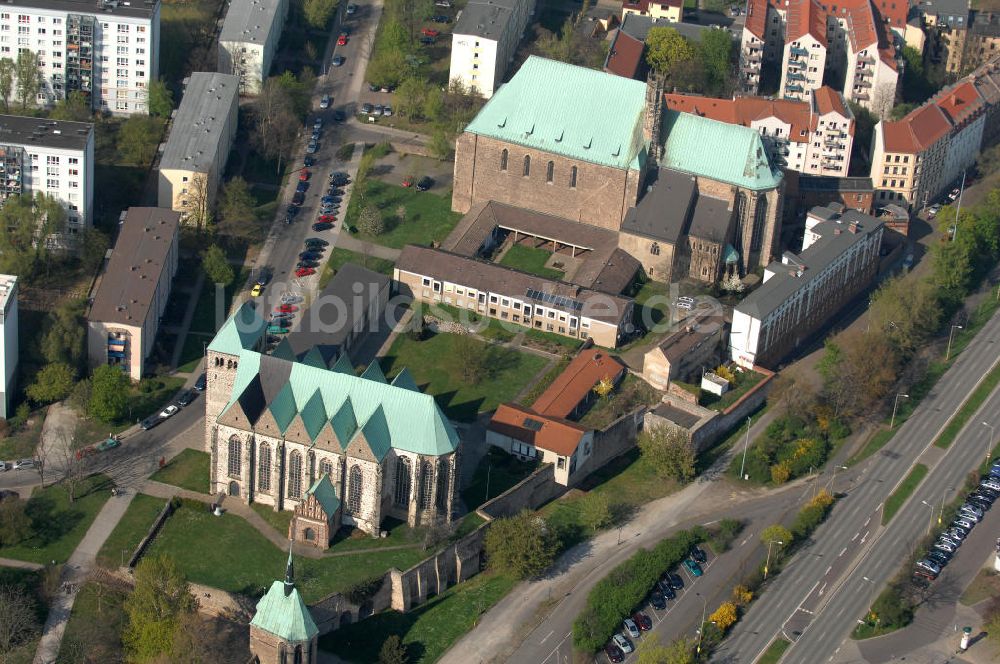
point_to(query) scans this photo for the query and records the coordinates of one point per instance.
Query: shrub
(813, 514)
(892, 609)
(370, 221)
(725, 616)
(522, 545)
(724, 533)
(364, 590)
(780, 472)
(742, 595)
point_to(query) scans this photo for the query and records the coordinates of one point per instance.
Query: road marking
(822, 589)
(546, 637)
(869, 519)
(828, 570)
(842, 552)
(710, 523)
(865, 537)
(855, 535)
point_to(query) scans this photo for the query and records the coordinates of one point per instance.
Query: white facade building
(106, 49)
(484, 41)
(52, 157)
(249, 40)
(8, 336)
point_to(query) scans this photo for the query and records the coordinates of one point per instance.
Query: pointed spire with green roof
(283, 613)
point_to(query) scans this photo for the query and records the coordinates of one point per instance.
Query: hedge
(626, 586)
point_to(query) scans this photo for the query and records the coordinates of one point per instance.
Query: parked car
(342, 39)
(698, 555)
(427, 41)
(945, 546)
(338, 60)
(675, 580)
(441, 18)
(622, 643)
(8, 493)
(310, 255)
(317, 122)
(351, 9)
(324, 102)
(85, 452)
(430, 32)
(286, 309)
(666, 588)
(387, 111)
(150, 422)
(631, 628)
(313, 147)
(276, 329)
(308, 160)
(642, 621)
(657, 601)
(991, 483)
(200, 383)
(442, 3)
(614, 653)
(922, 573)
(929, 565)
(964, 523)
(304, 272)
(316, 241)
(933, 210)
(366, 108)
(186, 397)
(304, 175)
(24, 464)
(949, 540)
(425, 183)
(312, 264)
(339, 178)
(302, 186)
(263, 276)
(377, 110)
(338, 116)
(956, 534)
(942, 558)
(5, 466)
(326, 219)
(169, 411)
(111, 443)
(256, 290)
(693, 567)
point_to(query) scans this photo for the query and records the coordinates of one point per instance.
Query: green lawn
(22, 443)
(875, 442)
(774, 652)
(437, 368)
(194, 350)
(629, 395)
(968, 409)
(204, 319)
(57, 525)
(902, 492)
(984, 586)
(278, 520)
(428, 216)
(30, 582)
(428, 630)
(551, 342)
(228, 553)
(496, 472)
(188, 470)
(653, 304)
(530, 260)
(93, 632)
(745, 381)
(870, 629)
(338, 256)
(133, 526)
(543, 383)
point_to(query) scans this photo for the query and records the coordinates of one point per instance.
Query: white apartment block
(106, 49)
(52, 157)
(484, 41)
(249, 40)
(8, 337)
(800, 293)
(814, 137)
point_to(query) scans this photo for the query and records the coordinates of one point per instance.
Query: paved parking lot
(394, 167)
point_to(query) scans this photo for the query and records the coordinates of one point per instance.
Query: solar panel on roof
(557, 300)
(532, 425)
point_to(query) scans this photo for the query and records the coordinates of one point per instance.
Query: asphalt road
(817, 599)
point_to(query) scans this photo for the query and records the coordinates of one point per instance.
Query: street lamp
(895, 405)
(930, 524)
(871, 604)
(830, 485)
(767, 562)
(951, 335)
(701, 627)
(989, 448)
(746, 444)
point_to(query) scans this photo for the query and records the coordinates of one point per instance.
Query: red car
(430, 32)
(85, 452)
(286, 308)
(407, 182)
(642, 621)
(342, 39)
(304, 175)
(304, 271)
(326, 219)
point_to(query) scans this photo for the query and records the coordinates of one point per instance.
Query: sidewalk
(348, 241)
(20, 564)
(185, 326)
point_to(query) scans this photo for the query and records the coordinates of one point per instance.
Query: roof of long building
(250, 20)
(41, 132)
(196, 132)
(488, 19)
(129, 8)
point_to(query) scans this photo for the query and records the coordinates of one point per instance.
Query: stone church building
(337, 448)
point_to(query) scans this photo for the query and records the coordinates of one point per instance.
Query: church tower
(282, 630)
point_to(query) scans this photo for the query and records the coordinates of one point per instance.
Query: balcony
(794, 88)
(795, 76)
(797, 64)
(861, 96)
(798, 52)
(865, 60)
(862, 83)
(751, 57)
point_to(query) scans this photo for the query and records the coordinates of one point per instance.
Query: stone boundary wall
(612, 441)
(532, 492)
(165, 513)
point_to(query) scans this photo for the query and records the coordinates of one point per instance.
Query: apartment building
(947, 25)
(198, 146)
(249, 40)
(917, 158)
(52, 157)
(626, 54)
(106, 49)
(133, 292)
(484, 41)
(9, 339)
(814, 137)
(800, 293)
(488, 289)
(670, 10)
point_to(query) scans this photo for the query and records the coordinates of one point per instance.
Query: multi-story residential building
(983, 43)
(813, 137)
(133, 292)
(484, 41)
(9, 339)
(809, 191)
(201, 136)
(804, 52)
(947, 24)
(917, 158)
(52, 157)
(670, 10)
(249, 40)
(839, 259)
(626, 54)
(106, 49)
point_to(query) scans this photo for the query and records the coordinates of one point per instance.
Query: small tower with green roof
(282, 630)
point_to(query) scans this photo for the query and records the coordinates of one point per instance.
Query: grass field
(133, 526)
(968, 409)
(230, 554)
(93, 632)
(338, 256)
(58, 525)
(427, 631)
(496, 472)
(188, 470)
(428, 216)
(437, 368)
(774, 651)
(194, 350)
(279, 520)
(902, 492)
(530, 260)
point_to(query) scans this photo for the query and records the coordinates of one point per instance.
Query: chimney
(853, 227)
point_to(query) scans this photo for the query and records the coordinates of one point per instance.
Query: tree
(900, 111)
(434, 106)
(596, 511)
(65, 340)
(155, 608)
(858, 370)
(679, 651)
(440, 144)
(74, 467)
(138, 137)
(318, 12)
(18, 618)
(236, 204)
(522, 545)
(392, 652)
(725, 616)
(908, 313)
(688, 75)
(159, 99)
(370, 221)
(665, 47)
(26, 219)
(197, 202)
(216, 266)
(275, 123)
(892, 609)
(200, 641)
(15, 524)
(716, 51)
(668, 451)
(7, 68)
(410, 96)
(29, 80)
(108, 393)
(53, 383)
(74, 107)
(387, 68)
(776, 533)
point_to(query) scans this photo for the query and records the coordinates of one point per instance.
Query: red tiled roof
(756, 20)
(960, 101)
(829, 100)
(574, 384)
(545, 433)
(891, 12)
(861, 29)
(745, 110)
(625, 56)
(805, 17)
(920, 129)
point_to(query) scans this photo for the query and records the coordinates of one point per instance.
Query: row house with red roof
(814, 137)
(671, 10)
(916, 159)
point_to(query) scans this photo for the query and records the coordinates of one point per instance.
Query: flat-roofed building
(813, 191)
(693, 347)
(52, 157)
(249, 40)
(107, 50)
(484, 40)
(133, 292)
(201, 137)
(9, 339)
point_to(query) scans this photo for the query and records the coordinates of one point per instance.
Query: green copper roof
(344, 422)
(405, 380)
(285, 616)
(326, 495)
(314, 415)
(284, 350)
(376, 431)
(242, 331)
(343, 365)
(313, 358)
(283, 408)
(573, 111)
(374, 372)
(721, 151)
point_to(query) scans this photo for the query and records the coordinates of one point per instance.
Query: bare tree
(18, 620)
(76, 464)
(197, 202)
(276, 126)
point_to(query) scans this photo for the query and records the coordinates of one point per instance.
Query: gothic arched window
(326, 468)
(264, 467)
(527, 166)
(572, 177)
(426, 484)
(550, 170)
(403, 481)
(294, 475)
(235, 457)
(354, 489)
(503, 160)
(442, 486)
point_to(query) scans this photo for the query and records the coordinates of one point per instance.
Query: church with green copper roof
(336, 448)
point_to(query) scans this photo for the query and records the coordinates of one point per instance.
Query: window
(264, 467)
(310, 534)
(442, 486)
(52, 160)
(294, 475)
(561, 463)
(527, 166)
(549, 171)
(52, 184)
(403, 482)
(426, 484)
(572, 177)
(235, 462)
(503, 160)
(354, 488)
(326, 468)
(654, 249)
